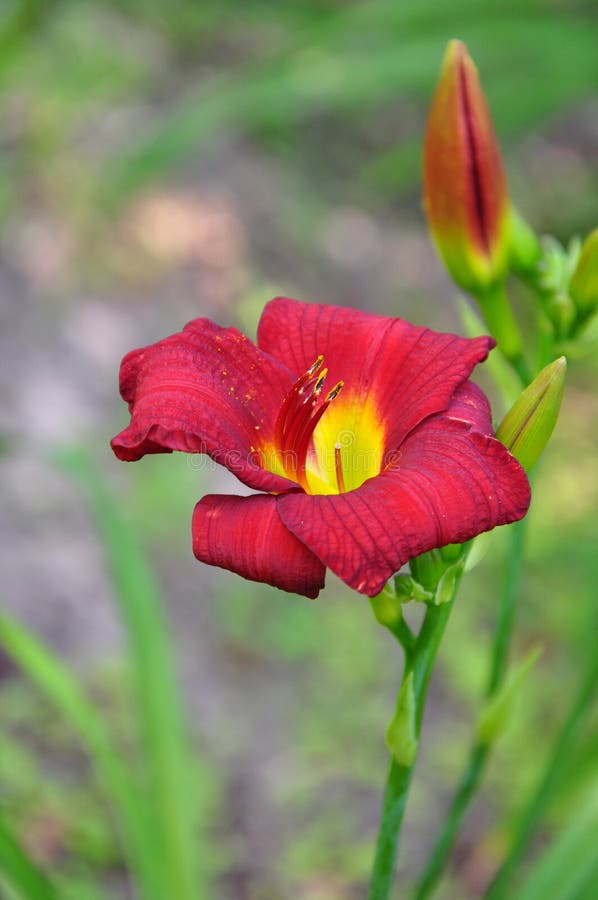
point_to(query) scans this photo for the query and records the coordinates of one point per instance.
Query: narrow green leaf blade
(18, 869)
(61, 687)
(168, 754)
(570, 865)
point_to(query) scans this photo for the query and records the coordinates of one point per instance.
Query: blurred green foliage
(340, 86)
(101, 99)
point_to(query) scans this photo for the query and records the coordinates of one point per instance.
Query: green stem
(506, 612)
(498, 315)
(420, 662)
(480, 752)
(546, 785)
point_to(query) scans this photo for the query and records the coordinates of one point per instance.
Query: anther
(320, 383)
(317, 365)
(335, 391)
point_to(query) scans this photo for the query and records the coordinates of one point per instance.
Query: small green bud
(583, 288)
(401, 734)
(427, 569)
(409, 589)
(445, 590)
(524, 247)
(386, 606)
(495, 715)
(527, 426)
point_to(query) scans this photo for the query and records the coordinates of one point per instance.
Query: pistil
(338, 467)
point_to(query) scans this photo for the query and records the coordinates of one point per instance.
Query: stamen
(300, 412)
(338, 465)
(298, 389)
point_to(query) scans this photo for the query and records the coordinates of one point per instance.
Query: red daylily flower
(395, 459)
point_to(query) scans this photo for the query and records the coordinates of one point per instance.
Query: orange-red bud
(465, 187)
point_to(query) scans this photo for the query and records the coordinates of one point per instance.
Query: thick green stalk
(547, 783)
(480, 751)
(498, 315)
(419, 662)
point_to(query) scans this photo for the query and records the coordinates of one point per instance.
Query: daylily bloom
(363, 433)
(465, 187)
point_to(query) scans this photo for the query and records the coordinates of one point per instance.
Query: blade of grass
(167, 753)
(536, 804)
(61, 686)
(569, 867)
(18, 869)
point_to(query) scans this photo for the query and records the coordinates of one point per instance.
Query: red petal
(447, 484)
(245, 535)
(469, 404)
(204, 390)
(409, 373)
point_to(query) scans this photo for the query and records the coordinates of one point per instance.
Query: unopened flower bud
(386, 606)
(408, 588)
(527, 426)
(465, 187)
(583, 288)
(401, 734)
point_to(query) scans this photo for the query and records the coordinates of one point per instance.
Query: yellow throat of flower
(327, 447)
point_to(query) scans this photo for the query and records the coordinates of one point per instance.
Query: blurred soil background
(160, 162)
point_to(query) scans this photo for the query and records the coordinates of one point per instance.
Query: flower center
(325, 454)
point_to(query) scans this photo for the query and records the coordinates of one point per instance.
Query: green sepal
(401, 734)
(554, 273)
(445, 589)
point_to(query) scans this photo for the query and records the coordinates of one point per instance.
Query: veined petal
(446, 484)
(469, 404)
(394, 371)
(246, 536)
(205, 390)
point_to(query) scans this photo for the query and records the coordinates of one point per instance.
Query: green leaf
(61, 687)
(168, 759)
(569, 867)
(18, 869)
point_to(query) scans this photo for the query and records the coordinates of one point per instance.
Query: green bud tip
(498, 710)
(584, 283)
(527, 426)
(401, 734)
